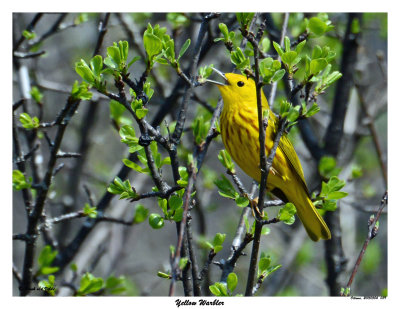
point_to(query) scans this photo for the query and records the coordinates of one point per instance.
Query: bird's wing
(287, 149)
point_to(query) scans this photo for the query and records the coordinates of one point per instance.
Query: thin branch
(372, 232)
(283, 33)
(374, 134)
(177, 256)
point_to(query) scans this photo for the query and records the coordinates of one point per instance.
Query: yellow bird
(239, 131)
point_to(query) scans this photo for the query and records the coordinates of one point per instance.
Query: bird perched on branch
(240, 135)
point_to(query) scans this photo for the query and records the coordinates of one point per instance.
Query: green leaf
(175, 202)
(183, 262)
(226, 188)
(184, 47)
(224, 30)
(19, 181)
(244, 19)
(96, 65)
(286, 214)
(178, 215)
(263, 264)
(163, 275)
(317, 26)
(163, 203)
(84, 71)
(336, 195)
(327, 167)
(278, 75)
(45, 259)
(177, 20)
(356, 171)
(290, 58)
(156, 221)
(226, 160)
(215, 290)
(312, 110)
(242, 201)
(278, 49)
(152, 44)
(28, 122)
(141, 214)
(36, 94)
(183, 173)
(232, 281)
(28, 34)
(115, 286)
(219, 239)
(317, 65)
(300, 46)
(89, 284)
(48, 285)
(133, 166)
(81, 91)
(287, 44)
(90, 211)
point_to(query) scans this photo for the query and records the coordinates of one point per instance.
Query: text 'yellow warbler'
(239, 130)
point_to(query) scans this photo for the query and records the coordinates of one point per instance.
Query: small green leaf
(84, 71)
(317, 65)
(152, 44)
(45, 259)
(36, 94)
(96, 65)
(183, 262)
(89, 284)
(115, 286)
(156, 221)
(242, 201)
(19, 181)
(90, 211)
(278, 49)
(28, 122)
(312, 110)
(286, 214)
(184, 47)
(327, 167)
(219, 239)
(226, 160)
(81, 91)
(175, 202)
(214, 290)
(226, 188)
(232, 281)
(28, 34)
(263, 264)
(141, 214)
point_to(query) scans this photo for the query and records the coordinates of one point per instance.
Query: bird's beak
(220, 74)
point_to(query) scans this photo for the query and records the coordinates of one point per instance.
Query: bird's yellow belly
(242, 143)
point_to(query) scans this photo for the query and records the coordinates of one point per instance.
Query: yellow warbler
(239, 130)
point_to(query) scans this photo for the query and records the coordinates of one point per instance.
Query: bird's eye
(240, 83)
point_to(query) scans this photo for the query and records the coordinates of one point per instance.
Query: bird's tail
(313, 223)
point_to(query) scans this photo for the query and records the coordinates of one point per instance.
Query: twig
(30, 28)
(372, 232)
(374, 134)
(283, 33)
(193, 259)
(17, 274)
(177, 256)
(21, 55)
